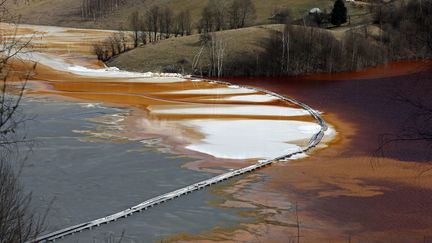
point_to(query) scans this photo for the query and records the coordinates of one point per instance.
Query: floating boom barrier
(314, 141)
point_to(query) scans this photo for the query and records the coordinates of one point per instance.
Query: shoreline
(309, 215)
(313, 142)
(342, 194)
(340, 176)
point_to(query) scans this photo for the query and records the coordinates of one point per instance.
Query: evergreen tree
(339, 13)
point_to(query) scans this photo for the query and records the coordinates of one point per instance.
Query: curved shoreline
(344, 191)
(314, 141)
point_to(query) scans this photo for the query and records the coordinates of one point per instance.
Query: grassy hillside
(68, 12)
(264, 8)
(241, 43)
(154, 57)
(246, 47)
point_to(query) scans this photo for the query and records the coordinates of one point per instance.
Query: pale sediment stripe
(315, 139)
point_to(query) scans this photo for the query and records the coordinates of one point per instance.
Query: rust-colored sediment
(344, 194)
(73, 46)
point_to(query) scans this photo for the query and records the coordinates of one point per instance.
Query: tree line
(221, 15)
(93, 9)
(116, 44)
(406, 28)
(405, 32)
(159, 22)
(298, 50)
(155, 24)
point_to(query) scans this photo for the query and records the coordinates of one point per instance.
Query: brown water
(345, 194)
(342, 193)
(194, 116)
(223, 126)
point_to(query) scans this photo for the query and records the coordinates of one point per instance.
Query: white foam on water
(60, 64)
(214, 91)
(247, 139)
(223, 138)
(248, 98)
(253, 110)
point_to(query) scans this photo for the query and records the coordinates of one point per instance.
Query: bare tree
(119, 42)
(161, 23)
(153, 21)
(207, 22)
(416, 131)
(187, 23)
(197, 60)
(143, 37)
(176, 25)
(214, 46)
(165, 22)
(116, 44)
(18, 222)
(218, 9)
(247, 13)
(242, 13)
(168, 15)
(100, 50)
(143, 31)
(135, 26)
(94, 9)
(217, 47)
(285, 59)
(123, 39)
(405, 27)
(182, 24)
(147, 25)
(234, 15)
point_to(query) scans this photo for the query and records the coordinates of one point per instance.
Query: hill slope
(68, 12)
(156, 57)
